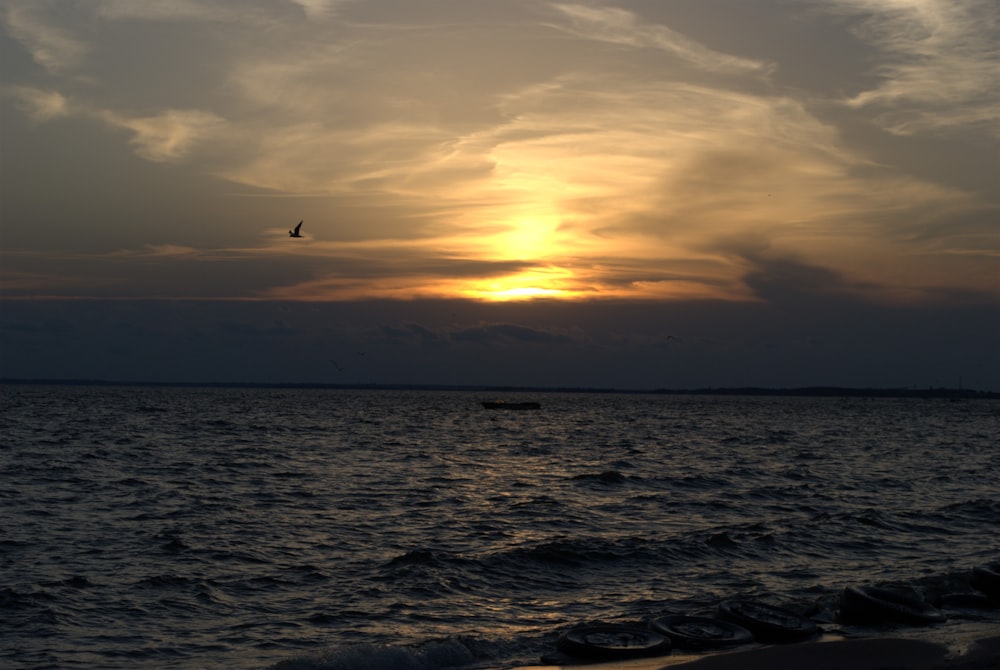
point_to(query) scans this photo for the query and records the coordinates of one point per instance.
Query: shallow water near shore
(294, 528)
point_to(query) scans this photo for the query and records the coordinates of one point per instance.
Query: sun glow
(526, 238)
(539, 282)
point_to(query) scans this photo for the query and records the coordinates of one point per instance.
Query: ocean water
(309, 528)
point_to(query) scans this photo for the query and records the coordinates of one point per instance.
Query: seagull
(295, 233)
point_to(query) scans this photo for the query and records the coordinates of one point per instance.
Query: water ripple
(239, 527)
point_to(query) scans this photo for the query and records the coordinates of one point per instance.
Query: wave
(606, 477)
(232, 532)
(546, 561)
(469, 652)
(167, 581)
(978, 509)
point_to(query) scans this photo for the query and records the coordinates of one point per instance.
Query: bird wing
(298, 226)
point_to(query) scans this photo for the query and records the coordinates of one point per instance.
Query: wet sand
(858, 654)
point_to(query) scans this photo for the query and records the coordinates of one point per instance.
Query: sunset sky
(637, 194)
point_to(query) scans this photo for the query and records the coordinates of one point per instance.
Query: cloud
(619, 26)
(829, 340)
(165, 137)
(17, 282)
(412, 333)
(319, 9)
(52, 46)
(169, 135)
(275, 330)
(313, 157)
(507, 332)
(482, 334)
(390, 135)
(941, 68)
(40, 105)
(171, 250)
(171, 10)
(785, 280)
(513, 150)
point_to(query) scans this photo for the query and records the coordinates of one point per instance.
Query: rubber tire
(768, 623)
(612, 643)
(700, 633)
(870, 604)
(986, 578)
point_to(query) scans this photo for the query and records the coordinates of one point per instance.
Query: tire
(870, 604)
(701, 633)
(612, 643)
(986, 578)
(768, 623)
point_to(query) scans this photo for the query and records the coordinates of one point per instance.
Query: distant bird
(295, 233)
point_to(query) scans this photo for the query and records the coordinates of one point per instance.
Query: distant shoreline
(806, 391)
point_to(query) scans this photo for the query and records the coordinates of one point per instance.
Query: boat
(503, 404)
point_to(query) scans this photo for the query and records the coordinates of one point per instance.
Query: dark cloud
(786, 280)
(506, 332)
(273, 330)
(481, 334)
(827, 184)
(174, 271)
(783, 341)
(411, 333)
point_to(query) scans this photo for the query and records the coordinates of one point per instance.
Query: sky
(632, 194)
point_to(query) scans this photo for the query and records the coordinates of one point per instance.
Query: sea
(322, 529)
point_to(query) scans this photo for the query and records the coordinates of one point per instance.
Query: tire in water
(612, 643)
(871, 604)
(768, 623)
(701, 633)
(986, 578)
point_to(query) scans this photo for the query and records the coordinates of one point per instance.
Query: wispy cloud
(941, 64)
(619, 26)
(171, 10)
(171, 250)
(542, 150)
(53, 46)
(318, 9)
(41, 105)
(167, 136)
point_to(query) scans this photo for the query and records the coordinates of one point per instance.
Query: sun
(541, 282)
(526, 238)
(530, 238)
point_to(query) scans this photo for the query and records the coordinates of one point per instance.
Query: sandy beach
(889, 653)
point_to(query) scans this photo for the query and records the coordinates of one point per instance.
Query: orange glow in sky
(559, 150)
(719, 186)
(547, 282)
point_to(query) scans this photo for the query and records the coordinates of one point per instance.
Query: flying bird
(295, 233)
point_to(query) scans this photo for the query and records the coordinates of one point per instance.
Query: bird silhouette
(295, 233)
